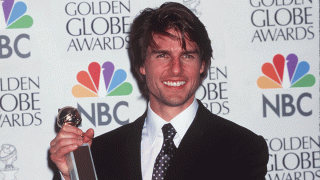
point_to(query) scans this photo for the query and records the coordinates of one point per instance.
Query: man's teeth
(179, 83)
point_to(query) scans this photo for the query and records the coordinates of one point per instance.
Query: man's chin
(175, 102)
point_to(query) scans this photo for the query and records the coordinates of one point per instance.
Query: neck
(168, 112)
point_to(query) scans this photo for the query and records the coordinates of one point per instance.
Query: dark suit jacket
(212, 148)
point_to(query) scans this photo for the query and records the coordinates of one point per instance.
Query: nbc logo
(12, 15)
(113, 81)
(285, 75)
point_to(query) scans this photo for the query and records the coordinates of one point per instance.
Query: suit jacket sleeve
(251, 162)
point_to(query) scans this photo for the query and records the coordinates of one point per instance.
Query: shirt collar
(181, 122)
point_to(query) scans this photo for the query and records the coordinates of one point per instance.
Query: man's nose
(176, 66)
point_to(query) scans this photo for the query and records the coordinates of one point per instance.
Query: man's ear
(142, 70)
(203, 64)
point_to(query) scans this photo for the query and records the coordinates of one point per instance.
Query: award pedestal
(80, 164)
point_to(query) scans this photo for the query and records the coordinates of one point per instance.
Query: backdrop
(56, 53)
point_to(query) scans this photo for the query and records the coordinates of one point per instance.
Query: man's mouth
(175, 84)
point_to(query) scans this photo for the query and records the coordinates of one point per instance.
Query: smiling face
(172, 73)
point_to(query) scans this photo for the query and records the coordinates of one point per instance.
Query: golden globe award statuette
(79, 162)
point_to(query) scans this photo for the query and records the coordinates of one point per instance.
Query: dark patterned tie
(167, 151)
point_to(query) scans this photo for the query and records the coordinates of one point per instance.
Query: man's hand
(68, 140)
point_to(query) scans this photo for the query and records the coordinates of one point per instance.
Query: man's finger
(64, 135)
(59, 155)
(65, 142)
(72, 129)
(88, 136)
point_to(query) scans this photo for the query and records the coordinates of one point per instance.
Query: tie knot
(168, 131)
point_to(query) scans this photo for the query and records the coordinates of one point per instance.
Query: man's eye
(161, 56)
(188, 56)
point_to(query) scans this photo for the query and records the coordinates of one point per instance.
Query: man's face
(172, 73)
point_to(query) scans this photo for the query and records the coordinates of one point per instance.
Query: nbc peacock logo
(12, 15)
(293, 74)
(90, 85)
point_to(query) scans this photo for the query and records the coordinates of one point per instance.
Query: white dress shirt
(152, 136)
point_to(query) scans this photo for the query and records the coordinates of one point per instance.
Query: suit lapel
(133, 150)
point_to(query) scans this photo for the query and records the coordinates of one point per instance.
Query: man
(177, 138)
